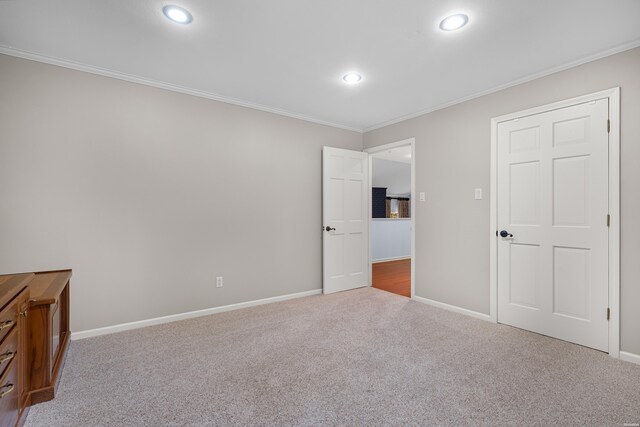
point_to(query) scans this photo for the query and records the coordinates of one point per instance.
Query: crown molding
(581, 61)
(6, 50)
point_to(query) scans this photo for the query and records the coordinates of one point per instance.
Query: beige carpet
(358, 358)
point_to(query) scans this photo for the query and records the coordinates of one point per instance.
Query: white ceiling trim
(586, 59)
(6, 50)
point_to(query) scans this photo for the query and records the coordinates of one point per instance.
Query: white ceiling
(400, 154)
(289, 55)
(394, 176)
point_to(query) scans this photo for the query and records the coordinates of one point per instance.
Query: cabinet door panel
(55, 333)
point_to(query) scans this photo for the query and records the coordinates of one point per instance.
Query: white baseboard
(460, 310)
(375, 261)
(630, 357)
(189, 315)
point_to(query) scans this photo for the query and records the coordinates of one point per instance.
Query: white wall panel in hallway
(390, 238)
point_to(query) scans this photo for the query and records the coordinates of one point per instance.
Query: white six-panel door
(552, 181)
(345, 219)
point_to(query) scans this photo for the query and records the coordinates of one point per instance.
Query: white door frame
(414, 199)
(614, 205)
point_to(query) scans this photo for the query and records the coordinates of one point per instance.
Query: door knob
(329, 228)
(505, 233)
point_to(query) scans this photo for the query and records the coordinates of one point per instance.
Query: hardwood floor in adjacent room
(393, 276)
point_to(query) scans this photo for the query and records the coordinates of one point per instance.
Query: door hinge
(608, 125)
(608, 313)
(608, 220)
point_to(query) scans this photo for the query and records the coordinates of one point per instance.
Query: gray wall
(149, 194)
(452, 158)
(395, 176)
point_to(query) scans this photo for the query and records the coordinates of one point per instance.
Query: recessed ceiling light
(454, 22)
(352, 78)
(177, 14)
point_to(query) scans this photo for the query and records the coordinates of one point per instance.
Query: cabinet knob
(6, 324)
(9, 389)
(7, 356)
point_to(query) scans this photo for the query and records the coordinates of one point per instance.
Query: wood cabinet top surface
(11, 285)
(45, 287)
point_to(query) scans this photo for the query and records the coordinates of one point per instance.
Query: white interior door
(345, 219)
(553, 203)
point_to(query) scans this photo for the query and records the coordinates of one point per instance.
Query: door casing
(414, 200)
(614, 205)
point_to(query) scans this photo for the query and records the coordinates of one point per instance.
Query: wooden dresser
(14, 336)
(34, 337)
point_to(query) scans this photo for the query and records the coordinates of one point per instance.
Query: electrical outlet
(219, 282)
(478, 193)
(422, 196)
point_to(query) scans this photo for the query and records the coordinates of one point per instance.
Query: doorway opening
(391, 217)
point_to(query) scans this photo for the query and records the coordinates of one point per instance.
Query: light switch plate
(422, 196)
(478, 193)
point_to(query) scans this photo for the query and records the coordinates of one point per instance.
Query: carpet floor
(358, 358)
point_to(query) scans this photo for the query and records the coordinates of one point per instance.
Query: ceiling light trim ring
(454, 22)
(352, 78)
(177, 14)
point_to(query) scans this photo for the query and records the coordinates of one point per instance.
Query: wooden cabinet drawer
(8, 318)
(9, 402)
(8, 349)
